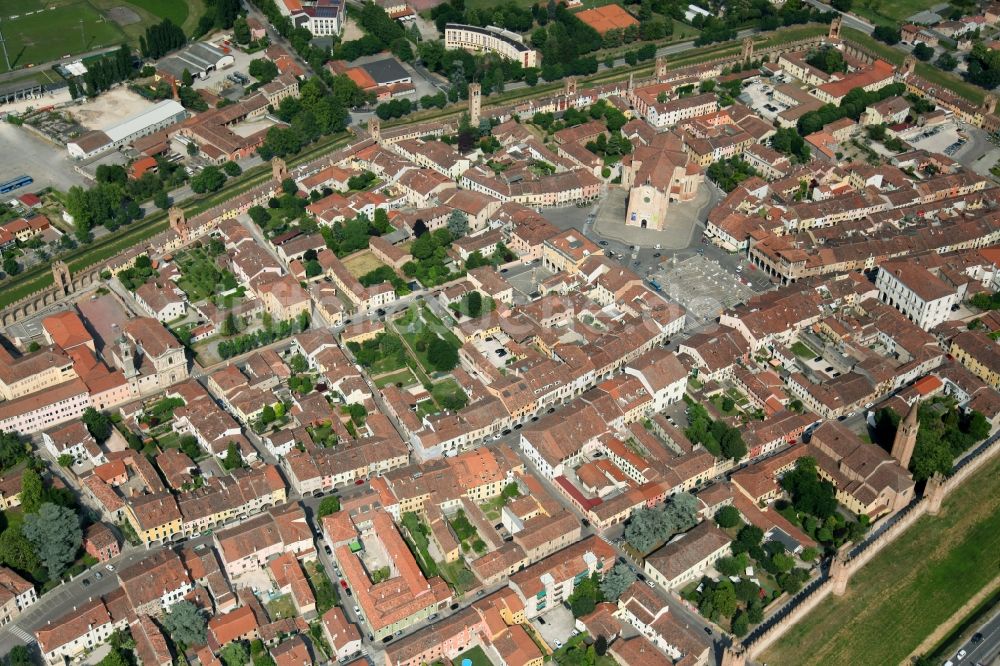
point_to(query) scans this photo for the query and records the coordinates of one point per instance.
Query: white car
(960, 656)
(109, 567)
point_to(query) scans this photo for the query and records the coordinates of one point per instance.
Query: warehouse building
(153, 119)
(199, 58)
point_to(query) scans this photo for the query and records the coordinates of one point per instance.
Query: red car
(343, 583)
(359, 482)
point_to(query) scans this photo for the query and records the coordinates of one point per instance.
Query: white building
(80, 629)
(916, 292)
(688, 556)
(492, 39)
(322, 18)
(165, 301)
(157, 117)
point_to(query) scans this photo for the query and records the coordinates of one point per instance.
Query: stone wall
(810, 597)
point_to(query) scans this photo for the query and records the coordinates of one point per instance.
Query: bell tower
(747, 54)
(375, 129)
(475, 104)
(906, 436)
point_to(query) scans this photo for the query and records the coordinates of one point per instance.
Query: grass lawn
(412, 323)
(892, 13)
(361, 263)
(281, 607)
(417, 532)
(201, 278)
(802, 350)
(910, 588)
(404, 377)
(30, 41)
(476, 655)
(458, 576)
(448, 391)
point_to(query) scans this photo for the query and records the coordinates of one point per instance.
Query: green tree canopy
(55, 534)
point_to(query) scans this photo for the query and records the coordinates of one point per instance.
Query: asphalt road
(984, 651)
(850, 20)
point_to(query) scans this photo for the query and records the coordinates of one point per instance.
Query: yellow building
(981, 355)
(155, 518)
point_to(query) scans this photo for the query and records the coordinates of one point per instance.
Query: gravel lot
(46, 162)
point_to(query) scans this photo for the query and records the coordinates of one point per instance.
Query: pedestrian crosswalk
(22, 634)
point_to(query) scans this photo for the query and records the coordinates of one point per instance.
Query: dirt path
(945, 627)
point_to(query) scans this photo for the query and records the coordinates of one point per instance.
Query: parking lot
(945, 138)
(46, 162)
(558, 626)
(756, 97)
(702, 286)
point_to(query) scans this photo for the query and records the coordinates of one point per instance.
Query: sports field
(48, 34)
(915, 584)
(39, 31)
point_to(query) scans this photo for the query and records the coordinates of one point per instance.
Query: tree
(19, 655)
(328, 506)
(727, 516)
(56, 536)
(113, 658)
(474, 304)
(458, 223)
(741, 624)
(923, 52)
(185, 623)
(98, 424)
(232, 169)
(186, 77)
(32, 491)
(235, 654)
(732, 444)
(887, 34)
(210, 179)
(616, 582)
(724, 598)
(586, 595)
(810, 494)
(12, 450)
(263, 70)
(241, 31)
(10, 265)
(442, 355)
(233, 459)
(66, 460)
(17, 552)
(267, 414)
(161, 200)
(946, 62)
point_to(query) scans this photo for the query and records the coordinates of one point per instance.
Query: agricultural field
(911, 587)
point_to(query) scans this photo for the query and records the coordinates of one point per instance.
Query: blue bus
(16, 183)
